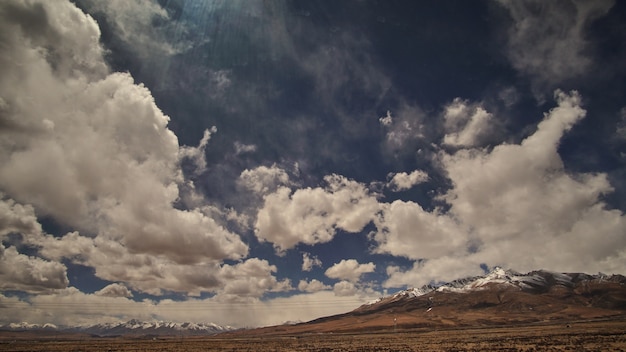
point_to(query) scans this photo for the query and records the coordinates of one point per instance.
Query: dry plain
(579, 336)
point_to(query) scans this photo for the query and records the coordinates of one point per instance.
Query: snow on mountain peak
(497, 276)
(131, 327)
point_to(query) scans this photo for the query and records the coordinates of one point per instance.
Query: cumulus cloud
(251, 278)
(350, 270)
(263, 180)
(406, 229)
(114, 290)
(30, 274)
(17, 218)
(548, 39)
(153, 274)
(312, 286)
(308, 262)
(466, 125)
(345, 289)
(91, 150)
(140, 271)
(516, 206)
(402, 181)
(312, 215)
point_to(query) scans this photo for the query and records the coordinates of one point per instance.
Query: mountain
(499, 298)
(27, 326)
(129, 328)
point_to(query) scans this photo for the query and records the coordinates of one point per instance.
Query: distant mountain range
(499, 298)
(129, 328)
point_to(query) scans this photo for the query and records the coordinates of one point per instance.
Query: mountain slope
(499, 298)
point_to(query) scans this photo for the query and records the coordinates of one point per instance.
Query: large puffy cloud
(406, 229)
(548, 39)
(516, 206)
(17, 218)
(19, 271)
(30, 274)
(156, 274)
(93, 151)
(349, 269)
(142, 272)
(312, 215)
(251, 278)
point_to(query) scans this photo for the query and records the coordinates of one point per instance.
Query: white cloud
(548, 40)
(197, 154)
(263, 180)
(114, 290)
(350, 270)
(30, 274)
(437, 269)
(312, 215)
(140, 271)
(93, 151)
(466, 125)
(387, 119)
(516, 206)
(17, 218)
(312, 286)
(405, 229)
(308, 262)
(345, 289)
(251, 278)
(151, 274)
(402, 181)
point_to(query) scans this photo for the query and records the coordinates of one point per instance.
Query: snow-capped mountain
(534, 281)
(131, 327)
(499, 298)
(28, 326)
(136, 327)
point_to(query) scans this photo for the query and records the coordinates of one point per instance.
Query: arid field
(580, 336)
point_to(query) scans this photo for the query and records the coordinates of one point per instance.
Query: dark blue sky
(251, 155)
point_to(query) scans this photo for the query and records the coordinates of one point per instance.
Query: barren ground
(581, 336)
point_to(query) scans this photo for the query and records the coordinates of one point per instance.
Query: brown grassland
(578, 336)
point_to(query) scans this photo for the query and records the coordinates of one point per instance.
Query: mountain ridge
(498, 298)
(132, 327)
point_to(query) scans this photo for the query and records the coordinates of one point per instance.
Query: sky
(251, 163)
